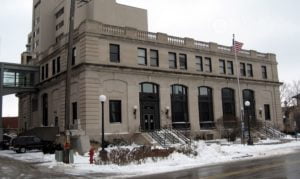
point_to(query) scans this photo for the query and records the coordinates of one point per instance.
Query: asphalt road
(279, 167)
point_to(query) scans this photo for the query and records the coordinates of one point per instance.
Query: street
(286, 166)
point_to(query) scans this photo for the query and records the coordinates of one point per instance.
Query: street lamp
(102, 99)
(247, 105)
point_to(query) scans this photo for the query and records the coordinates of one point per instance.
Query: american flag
(237, 46)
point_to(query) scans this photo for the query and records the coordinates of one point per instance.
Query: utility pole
(68, 79)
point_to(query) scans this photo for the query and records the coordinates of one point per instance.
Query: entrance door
(149, 116)
(149, 107)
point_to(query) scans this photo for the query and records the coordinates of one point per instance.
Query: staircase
(266, 130)
(168, 137)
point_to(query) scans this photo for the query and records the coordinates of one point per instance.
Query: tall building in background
(152, 80)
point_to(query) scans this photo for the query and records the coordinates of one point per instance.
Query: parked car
(23, 143)
(4, 145)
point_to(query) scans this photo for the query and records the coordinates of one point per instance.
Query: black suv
(6, 142)
(23, 143)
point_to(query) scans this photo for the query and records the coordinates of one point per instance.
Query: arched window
(206, 114)
(149, 106)
(148, 88)
(179, 103)
(248, 95)
(45, 109)
(228, 103)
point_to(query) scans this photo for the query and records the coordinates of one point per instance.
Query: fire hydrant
(91, 154)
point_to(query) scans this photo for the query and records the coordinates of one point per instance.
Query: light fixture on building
(167, 111)
(134, 110)
(260, 111)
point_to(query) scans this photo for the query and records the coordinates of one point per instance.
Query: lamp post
(102, 99)
(247, 105)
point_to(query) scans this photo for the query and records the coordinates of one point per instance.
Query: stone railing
(128, 32)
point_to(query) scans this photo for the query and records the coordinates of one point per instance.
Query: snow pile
(206, 155)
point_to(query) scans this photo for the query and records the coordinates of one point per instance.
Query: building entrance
(149, 107)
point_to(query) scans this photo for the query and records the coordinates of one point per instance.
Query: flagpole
(239, 91)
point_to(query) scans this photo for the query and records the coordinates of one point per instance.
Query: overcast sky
(263, 25)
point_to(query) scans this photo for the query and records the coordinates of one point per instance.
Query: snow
(208, 154)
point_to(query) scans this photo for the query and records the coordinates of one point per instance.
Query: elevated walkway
(16, 78)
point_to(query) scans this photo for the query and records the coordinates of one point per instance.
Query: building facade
(151, 80)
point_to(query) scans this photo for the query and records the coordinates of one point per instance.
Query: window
(264, 72)
(172, 60)
(53, 67)
(182, 61)
(249, 70)
(267, 112)
(115, 111)
(74, 54)
(47, 71)
(43, 72)
(228, 104)
(74, 112)
(142, 56)
(199, 64)
(179, 103)
(59, 37)
(208, 65)
(229, 67)
(242, 69)
(148, 88)
(59, 25)
(58, 64)
(222, 67)
(114, 51)
(154, 60)
(59, 12)
(205, 105)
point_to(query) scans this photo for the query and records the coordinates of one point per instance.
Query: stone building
(151, 80)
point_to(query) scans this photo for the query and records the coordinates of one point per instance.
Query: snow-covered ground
(207, 155)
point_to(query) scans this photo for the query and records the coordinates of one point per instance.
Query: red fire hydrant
(91, 154)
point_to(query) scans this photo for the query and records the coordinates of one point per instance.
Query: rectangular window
(264, 72)
(74, 53)
(114, 51)
(53, 67)
(154, 59)
(59, 25)
(43, 72)
(267, 112)
(208, 65)
(59, 12)
(242, 69)
(58, 64)
(182, 61)
(115, 111)
(199, 64)
(142, 56)
(229, 67)
(47, 71)
(249, 70)
(172, 60)
(74, 112)
(222, 66)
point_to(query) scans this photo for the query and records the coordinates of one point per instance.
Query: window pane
(142, 56)
(222, 66)
(148, 88)
(182, 61)
(154, 58)
(114, 53)
(172, 60)
(199, 65)
(115, 111)
(208, 65)
(230, 67)
(203, 91)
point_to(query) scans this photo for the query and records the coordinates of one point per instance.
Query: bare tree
(288, 91)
